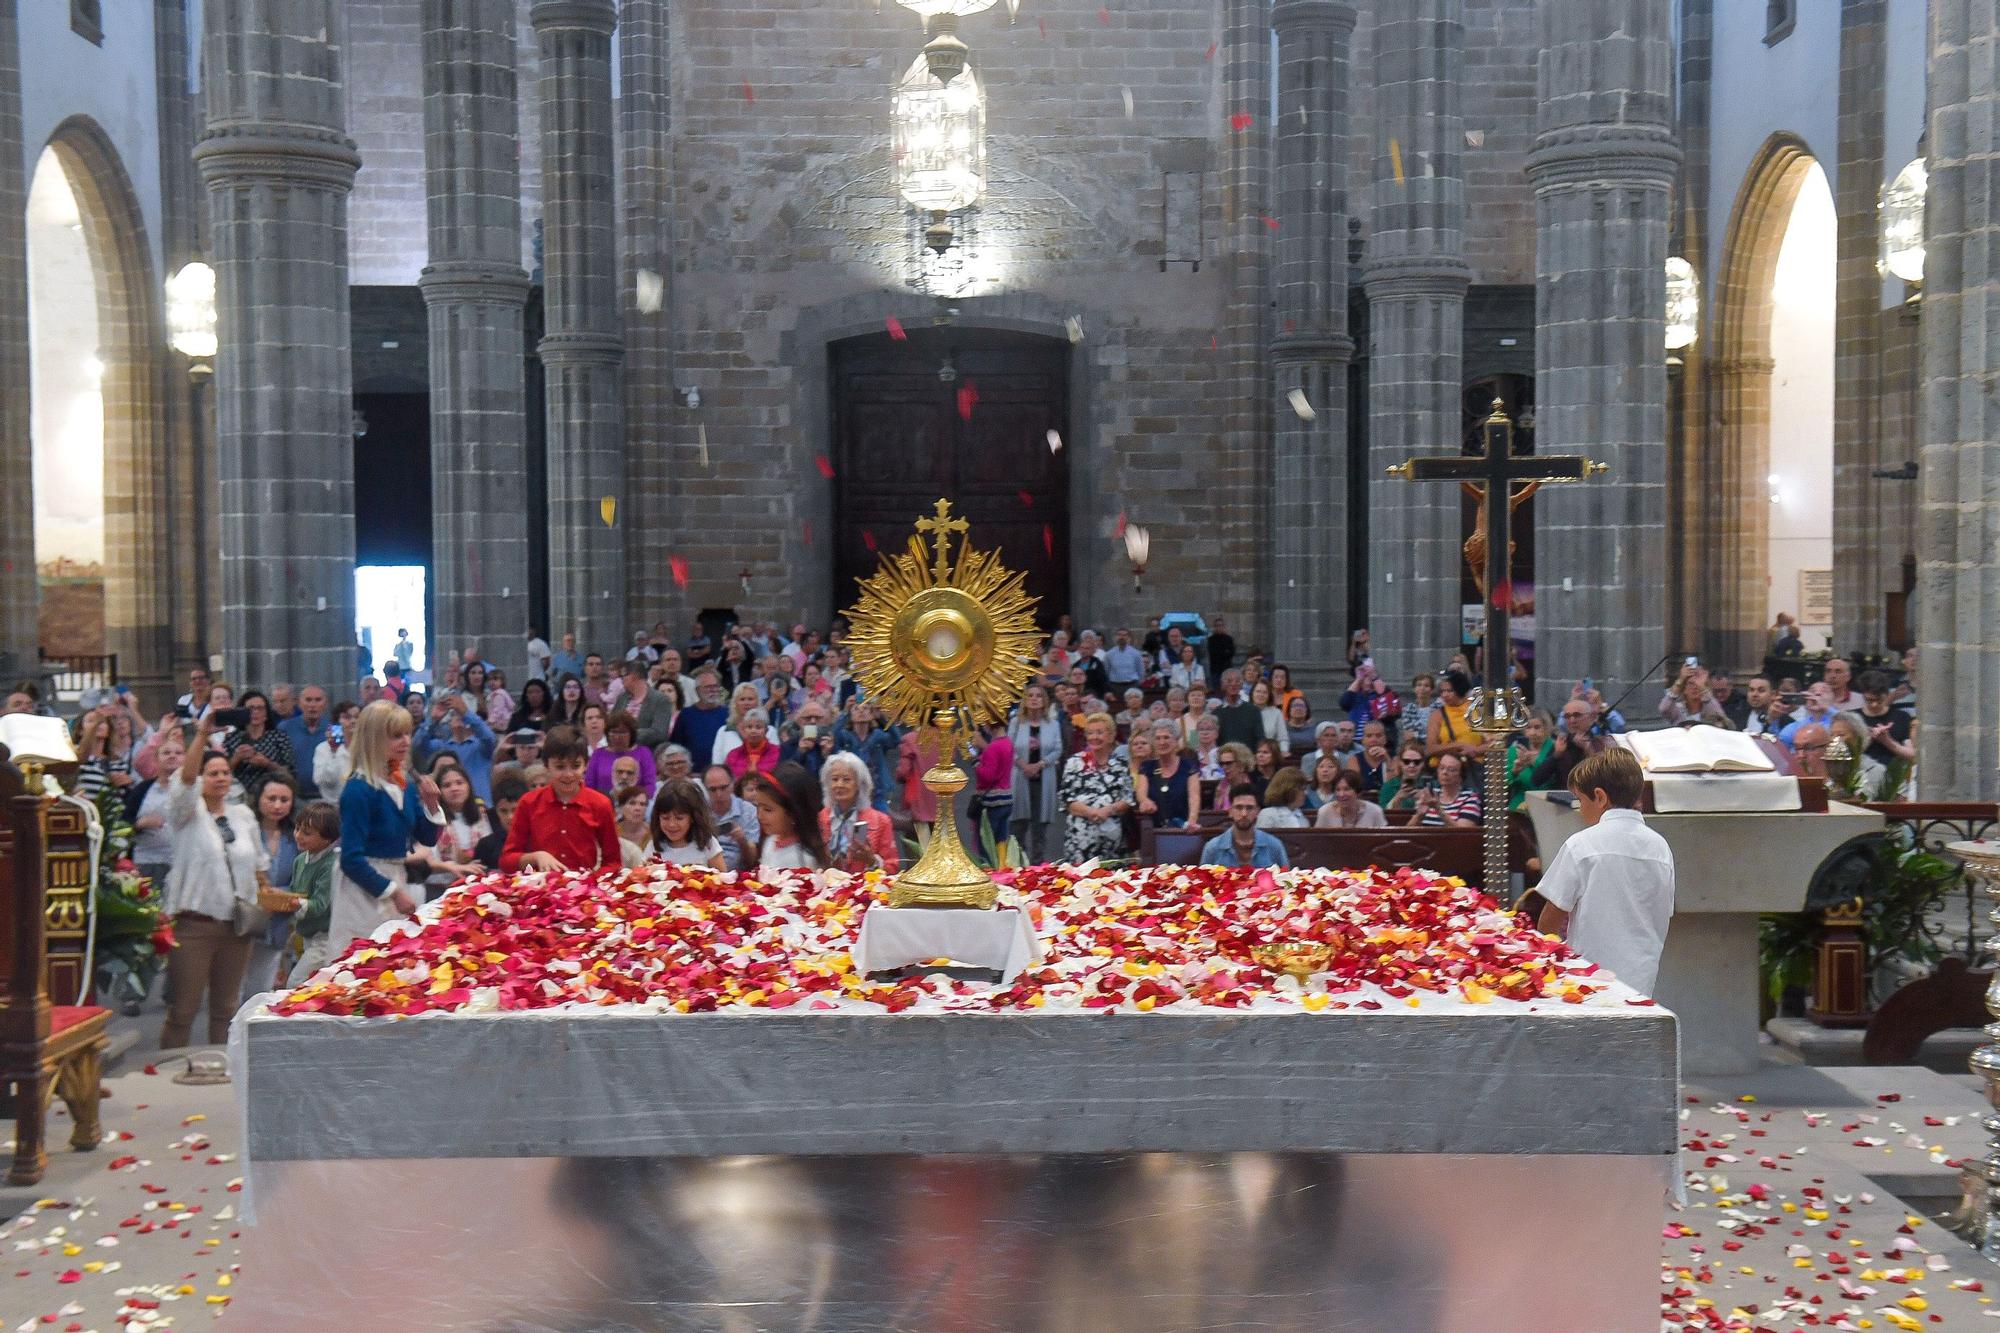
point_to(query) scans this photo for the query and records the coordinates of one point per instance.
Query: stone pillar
(663, 435)
(1416, 277)
(1603, 171)
(1311, 349)
(1958, 573)
(1243, 344)
(583, 352)
(1867, 552)
(475, 292)
(279, 166)
(1737, 560)
(20, 635)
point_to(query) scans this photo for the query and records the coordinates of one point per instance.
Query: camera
(231, 717)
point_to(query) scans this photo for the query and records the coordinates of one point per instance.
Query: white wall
(1802, 400)
(62, 75)
(1758, 90)
(66, 390)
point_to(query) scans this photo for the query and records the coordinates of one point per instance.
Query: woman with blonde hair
(1097, 794)
(378, 822)
(743, 699)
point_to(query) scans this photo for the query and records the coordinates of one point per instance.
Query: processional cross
(944, 525)
(1497, 709)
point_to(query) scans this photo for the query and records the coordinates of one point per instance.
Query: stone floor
(1814, 1198)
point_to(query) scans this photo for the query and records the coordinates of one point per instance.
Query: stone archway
(136, 487)
(1736, 506)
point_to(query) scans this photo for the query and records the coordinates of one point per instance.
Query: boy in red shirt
(565, 825)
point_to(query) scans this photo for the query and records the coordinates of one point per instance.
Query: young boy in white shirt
(1610, 889)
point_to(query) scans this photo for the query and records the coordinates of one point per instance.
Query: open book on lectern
(1698, 750)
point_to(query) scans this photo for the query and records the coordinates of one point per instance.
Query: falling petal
(701, 435)
(1027, 500)
(968, 398)
(1270, 222)
(608, 507)
(1297, 398)
(1074, 325)
(679, 566)
(1049, 540)
(825, 466)
(1119, 531)
(1209, 54)
(1396, 160)
(806, 532)
(896, 330)
(749, 93)
(1242, 121)
(1055, 441)
(1104, 15)
(1127, 91)
(868, 539)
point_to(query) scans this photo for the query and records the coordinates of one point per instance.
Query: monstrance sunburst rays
(978, 599)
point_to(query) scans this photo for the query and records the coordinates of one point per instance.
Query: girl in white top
(683, 827)
(787, 801)
(218, 864)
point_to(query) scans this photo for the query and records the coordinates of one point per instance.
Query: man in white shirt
(539, 656)
(1610, 889)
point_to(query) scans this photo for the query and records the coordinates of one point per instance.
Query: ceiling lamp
(191, 311)
(1902, 208)
(946, 54)
(940, 140)
(1683, 304)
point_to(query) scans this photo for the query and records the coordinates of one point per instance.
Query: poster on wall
(1816, 598)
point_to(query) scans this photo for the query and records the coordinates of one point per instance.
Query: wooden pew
(1448, 851)
(46, 1050)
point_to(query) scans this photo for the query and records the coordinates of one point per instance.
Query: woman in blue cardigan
(378, 821)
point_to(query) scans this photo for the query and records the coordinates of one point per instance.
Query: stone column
(1416, 278)
(19, 633)
(1958, 573)
(1603, 172)
(1243, 344)
(279, 166)
(1737, 559)
(475, 292)
(1311, 348)
(583, 352)
(663, 439)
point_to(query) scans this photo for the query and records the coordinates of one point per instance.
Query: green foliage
(1904, 883)
(133, 935)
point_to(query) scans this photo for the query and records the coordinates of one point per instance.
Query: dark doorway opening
(960, 413)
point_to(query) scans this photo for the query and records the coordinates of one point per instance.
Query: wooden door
(976, 434)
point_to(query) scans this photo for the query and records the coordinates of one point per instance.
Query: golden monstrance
(946, 647)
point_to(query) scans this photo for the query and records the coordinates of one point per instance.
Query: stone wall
(791, 232)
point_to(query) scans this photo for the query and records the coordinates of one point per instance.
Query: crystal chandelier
(1902, 207)
(940, 140)
(1683, 304)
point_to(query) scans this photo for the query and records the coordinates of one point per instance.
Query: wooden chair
(46, 1050)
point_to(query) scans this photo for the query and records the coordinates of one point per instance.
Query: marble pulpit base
(1128, 1243)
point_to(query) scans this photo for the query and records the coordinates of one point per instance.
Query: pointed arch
(1737, 511)
(132, 340)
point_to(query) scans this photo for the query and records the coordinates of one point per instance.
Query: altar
(1353, 1151)
(1729, 868)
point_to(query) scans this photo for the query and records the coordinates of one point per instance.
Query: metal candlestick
(1978, 1221)
(1495, 715)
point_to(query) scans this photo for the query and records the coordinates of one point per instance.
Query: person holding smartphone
(737, 825)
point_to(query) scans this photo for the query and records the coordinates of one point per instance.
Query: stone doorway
(959, 413)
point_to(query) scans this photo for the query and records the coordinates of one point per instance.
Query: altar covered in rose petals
(657, 1102)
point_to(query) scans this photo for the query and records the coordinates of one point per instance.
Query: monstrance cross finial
(944, 525)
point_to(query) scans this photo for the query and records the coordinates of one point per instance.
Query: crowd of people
(284, 822)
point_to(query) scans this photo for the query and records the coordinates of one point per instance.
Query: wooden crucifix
(1490, 476)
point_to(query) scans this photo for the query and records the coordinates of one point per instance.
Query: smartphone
(1694, 661)
(1588, 684)
(231, 717)
(336, 733)
(809, 732)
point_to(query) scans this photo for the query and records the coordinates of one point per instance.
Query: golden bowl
(1298, 959)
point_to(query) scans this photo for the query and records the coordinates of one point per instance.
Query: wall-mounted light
(1683, 304)
(1138, 546)
(191, 311)
(1902, 217)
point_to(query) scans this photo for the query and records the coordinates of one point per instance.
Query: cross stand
(1497, 710)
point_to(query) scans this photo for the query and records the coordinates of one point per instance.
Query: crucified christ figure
(1475, 545)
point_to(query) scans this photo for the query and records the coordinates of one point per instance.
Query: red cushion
(66, 1016)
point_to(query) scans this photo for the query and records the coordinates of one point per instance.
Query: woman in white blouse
(218, 864)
